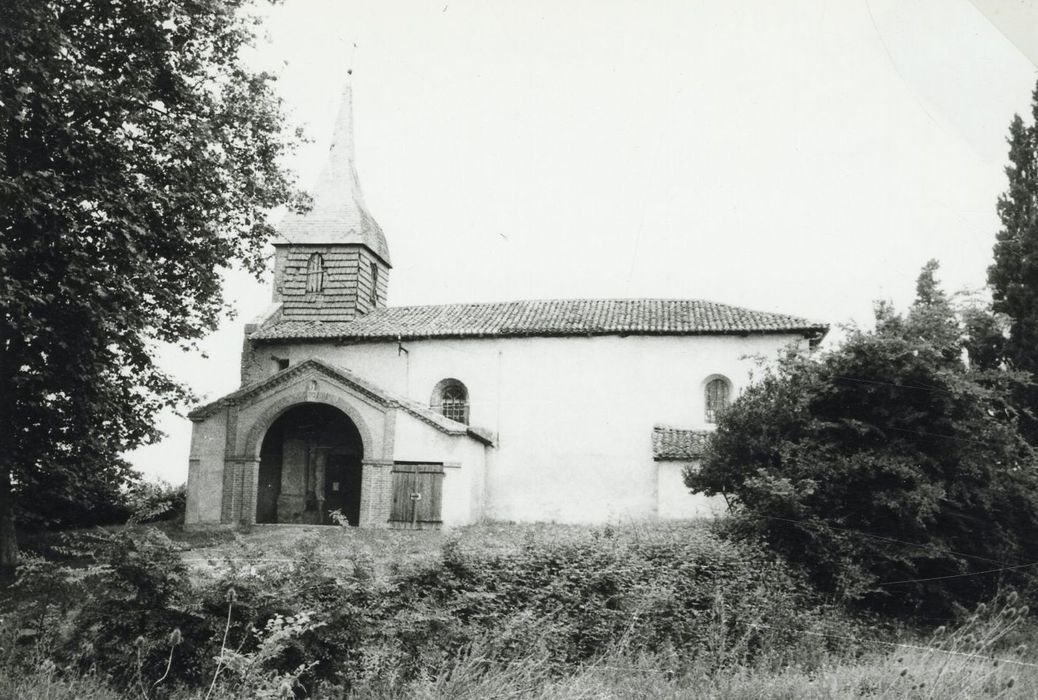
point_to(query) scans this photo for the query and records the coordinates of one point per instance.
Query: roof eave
(814, 334)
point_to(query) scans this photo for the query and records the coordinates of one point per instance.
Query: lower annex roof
(554, 317)
(677, 443)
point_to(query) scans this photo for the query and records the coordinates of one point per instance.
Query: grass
(929, 669)
(916, 675)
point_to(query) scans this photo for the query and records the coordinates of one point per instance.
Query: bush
(677, 591)
(73, 497)
(149, 502)
(64, 503)
(892, 472)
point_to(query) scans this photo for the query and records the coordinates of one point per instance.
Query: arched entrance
(310, 465)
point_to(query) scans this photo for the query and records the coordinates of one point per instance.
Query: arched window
(315, 274)
(718, 391)
(451, 398)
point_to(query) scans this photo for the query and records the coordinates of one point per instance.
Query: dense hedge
(678, 593)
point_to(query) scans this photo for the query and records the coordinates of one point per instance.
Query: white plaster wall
(463, 460)
(573, 415)
(479, 455)
(205, 475)
(675, 502)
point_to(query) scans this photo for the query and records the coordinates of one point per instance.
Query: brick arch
(254, 437)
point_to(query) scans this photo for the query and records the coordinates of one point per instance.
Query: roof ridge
(587, 298)
(555, 300)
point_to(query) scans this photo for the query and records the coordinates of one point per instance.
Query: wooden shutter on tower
(417, 495)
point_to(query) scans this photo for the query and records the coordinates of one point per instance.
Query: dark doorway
(310, 466)
(342, 487)
(270, 475)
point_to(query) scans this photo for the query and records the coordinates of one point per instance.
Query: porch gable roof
(372, 391)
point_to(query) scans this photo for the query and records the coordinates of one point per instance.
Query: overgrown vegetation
(127, 605)
(138, 502)
(551, 611)
(888, 467)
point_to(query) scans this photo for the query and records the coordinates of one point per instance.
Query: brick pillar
(240, 483)
(250, 485)
(230, 470)
(376, 492)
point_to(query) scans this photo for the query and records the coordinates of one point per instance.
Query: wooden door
(417, 495)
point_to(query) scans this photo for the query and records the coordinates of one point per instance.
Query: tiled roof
(677, 444)
(384, 397)
(557, 317)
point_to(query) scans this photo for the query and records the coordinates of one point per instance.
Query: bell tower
(332, 263)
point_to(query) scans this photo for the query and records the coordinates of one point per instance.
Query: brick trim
(240, 482)
(376, 492)
(254, 437)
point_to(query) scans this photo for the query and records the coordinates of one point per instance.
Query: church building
(565, 410)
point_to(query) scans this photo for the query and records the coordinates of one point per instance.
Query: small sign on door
(335, 486)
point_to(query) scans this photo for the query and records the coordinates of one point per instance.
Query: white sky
(804, 156)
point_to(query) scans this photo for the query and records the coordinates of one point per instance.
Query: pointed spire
(339, 175)
(339, 214)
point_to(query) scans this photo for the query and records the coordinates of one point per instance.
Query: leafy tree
(138, 156)
(985, 333)
(889, 468)
(1013, 277)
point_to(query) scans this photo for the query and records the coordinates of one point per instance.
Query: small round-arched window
(451, 398)
(718, 396)
(315, 274)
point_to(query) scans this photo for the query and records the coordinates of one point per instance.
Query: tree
(1013, 276)
(138, 158)
(887, 467)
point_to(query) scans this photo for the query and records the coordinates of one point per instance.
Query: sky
(805, 156)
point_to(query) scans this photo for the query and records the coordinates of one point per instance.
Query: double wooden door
(417, 495)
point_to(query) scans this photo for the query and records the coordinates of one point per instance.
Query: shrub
(667, 590)
(73, 497)
(892, 472)
(149, 501)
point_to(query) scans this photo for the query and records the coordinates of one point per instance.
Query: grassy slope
(960, 668)
(892, 671)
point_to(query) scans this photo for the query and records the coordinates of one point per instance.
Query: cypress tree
(1013, 276)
